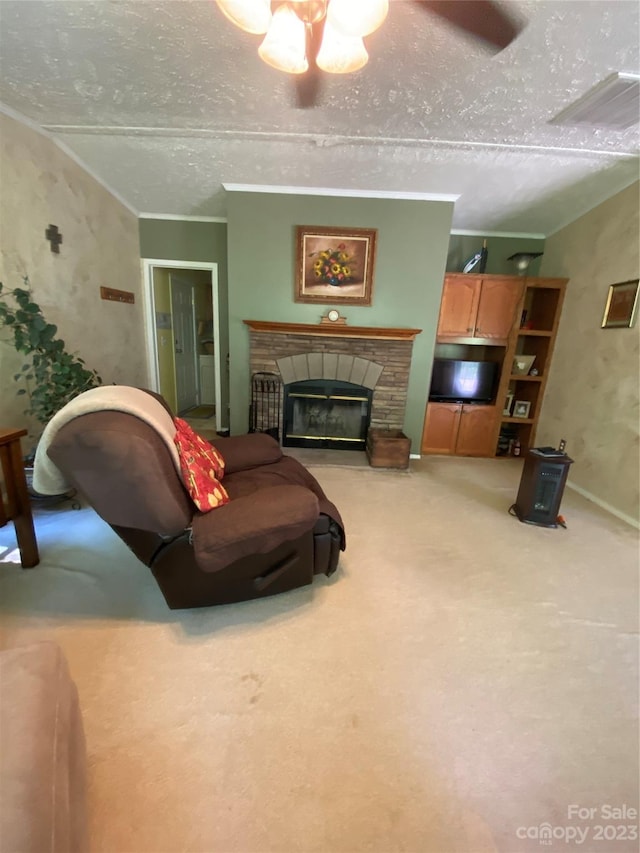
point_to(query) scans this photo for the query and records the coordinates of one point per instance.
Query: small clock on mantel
(333, 317)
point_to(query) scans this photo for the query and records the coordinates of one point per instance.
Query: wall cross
(55, 238)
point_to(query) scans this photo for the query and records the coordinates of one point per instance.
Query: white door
(184, 337)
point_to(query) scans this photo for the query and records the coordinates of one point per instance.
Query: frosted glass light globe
(252, 16)
(340, 54)
(284, 46)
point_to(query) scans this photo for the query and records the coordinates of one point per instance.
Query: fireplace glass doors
(326, 413)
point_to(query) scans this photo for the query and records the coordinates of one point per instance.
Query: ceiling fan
(308, 37)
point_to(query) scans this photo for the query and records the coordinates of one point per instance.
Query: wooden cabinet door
(476, 434)
(459, 306)
(441, 428)
(498, 303)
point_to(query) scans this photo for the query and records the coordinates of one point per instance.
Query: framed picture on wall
(622, 305)
(334, 265)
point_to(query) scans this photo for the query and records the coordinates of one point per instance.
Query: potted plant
(51, 376)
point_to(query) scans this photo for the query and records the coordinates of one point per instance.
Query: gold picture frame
(622, 305)
(334, 265)
(521, 409)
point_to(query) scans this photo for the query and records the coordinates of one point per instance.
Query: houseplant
(51, 376)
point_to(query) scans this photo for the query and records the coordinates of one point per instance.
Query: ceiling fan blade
(483, 19)
(308, 85)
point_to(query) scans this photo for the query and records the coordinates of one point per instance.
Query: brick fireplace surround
(378, 358)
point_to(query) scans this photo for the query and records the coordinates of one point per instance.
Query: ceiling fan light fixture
(340, 54)
(311, 11)
(252, 16)
(284, 46)
(357, 18)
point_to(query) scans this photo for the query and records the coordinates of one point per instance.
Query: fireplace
(326, 414)
(369, 362)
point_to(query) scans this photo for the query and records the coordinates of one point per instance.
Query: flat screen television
(455, 380)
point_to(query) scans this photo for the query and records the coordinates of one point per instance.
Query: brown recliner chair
(278, 530)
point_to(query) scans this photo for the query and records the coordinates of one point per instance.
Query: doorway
(182, 319)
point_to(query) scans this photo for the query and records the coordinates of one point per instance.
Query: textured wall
(41, 185)
(592, 392)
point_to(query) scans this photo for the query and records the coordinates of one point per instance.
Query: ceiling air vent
(613, 103)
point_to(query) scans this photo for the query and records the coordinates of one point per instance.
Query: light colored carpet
(461, 679)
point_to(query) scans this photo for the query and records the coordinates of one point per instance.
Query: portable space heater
(541, 486)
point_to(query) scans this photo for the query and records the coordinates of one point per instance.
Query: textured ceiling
(166, 101)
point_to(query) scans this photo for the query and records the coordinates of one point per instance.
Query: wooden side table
(18, 507)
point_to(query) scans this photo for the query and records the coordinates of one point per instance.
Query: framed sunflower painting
(334, 265)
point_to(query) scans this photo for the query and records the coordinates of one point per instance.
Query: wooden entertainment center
(494, 318)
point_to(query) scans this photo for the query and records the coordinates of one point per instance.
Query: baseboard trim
(604, 505)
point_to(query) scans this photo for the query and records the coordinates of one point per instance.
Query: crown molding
(325, 140)
(339, 193)
(180, 218)
(27, 122)
(460, 232)
(591, 207)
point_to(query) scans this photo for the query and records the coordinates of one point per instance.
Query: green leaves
(53, 376)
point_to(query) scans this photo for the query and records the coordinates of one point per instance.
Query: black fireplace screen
(266, 403)
(326, 413)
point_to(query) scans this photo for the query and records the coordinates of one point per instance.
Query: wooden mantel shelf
(326, 330)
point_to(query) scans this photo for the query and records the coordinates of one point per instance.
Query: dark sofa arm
(241, 452)
(255, 524)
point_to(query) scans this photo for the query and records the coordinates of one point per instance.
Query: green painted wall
(413, 237)
(183, 240)
(462, 248)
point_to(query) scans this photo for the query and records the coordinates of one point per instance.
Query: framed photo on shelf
(521, 409)
(334, 265)
(622, 304)
(508, 402)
